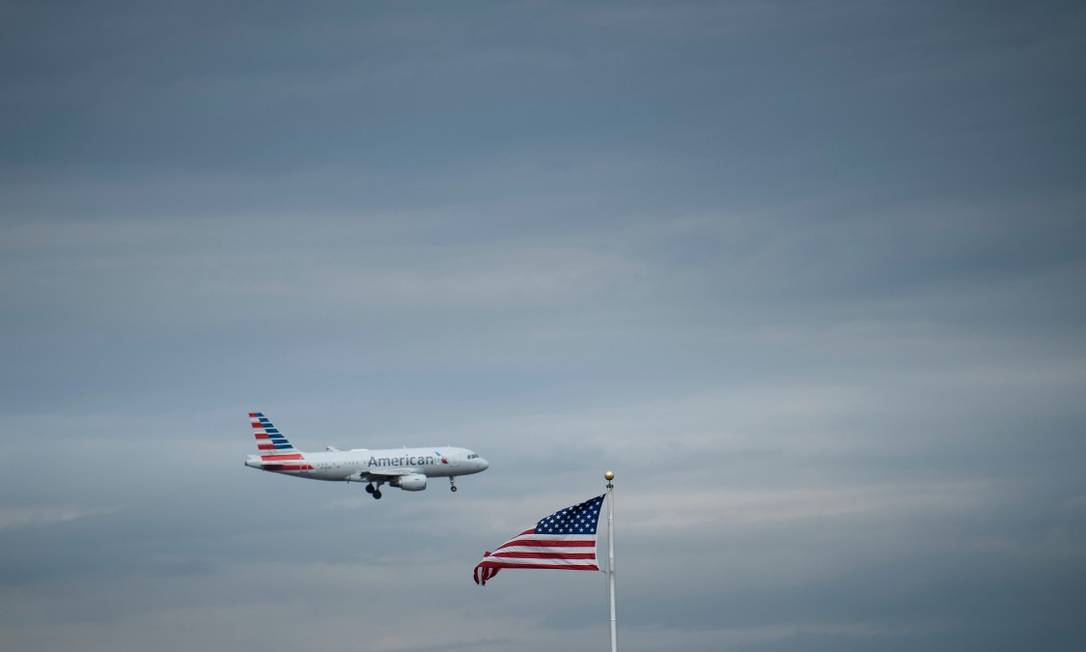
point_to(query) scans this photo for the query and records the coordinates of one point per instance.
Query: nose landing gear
(452, 484)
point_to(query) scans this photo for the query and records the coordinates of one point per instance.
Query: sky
(807, 275)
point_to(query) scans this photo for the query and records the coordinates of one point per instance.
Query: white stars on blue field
(579, 519)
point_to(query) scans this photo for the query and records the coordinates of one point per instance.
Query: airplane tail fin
(268, 437)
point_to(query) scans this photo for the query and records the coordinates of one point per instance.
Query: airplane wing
(402, 478)
(388, 473)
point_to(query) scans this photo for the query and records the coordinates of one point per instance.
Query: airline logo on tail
(268, 437)
(279, 449)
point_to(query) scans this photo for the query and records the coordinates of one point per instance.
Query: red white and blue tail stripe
(277, 453)
(268, 437)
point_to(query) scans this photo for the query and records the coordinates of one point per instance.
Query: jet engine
(410, 482)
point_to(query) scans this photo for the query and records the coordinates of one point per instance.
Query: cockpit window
(472, 456)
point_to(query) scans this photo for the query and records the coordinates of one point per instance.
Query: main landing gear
(452, 484)
(374, 491)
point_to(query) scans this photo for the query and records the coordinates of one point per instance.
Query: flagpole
(609, 476)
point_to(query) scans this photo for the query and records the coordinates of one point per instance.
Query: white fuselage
(365, 465)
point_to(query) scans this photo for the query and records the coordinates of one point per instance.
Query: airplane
(406, 468)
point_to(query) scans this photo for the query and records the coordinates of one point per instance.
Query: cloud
(807, 279)
(15, 518)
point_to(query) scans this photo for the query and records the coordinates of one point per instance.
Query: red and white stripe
(531, 550)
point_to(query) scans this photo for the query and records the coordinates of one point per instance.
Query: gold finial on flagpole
(609, 476)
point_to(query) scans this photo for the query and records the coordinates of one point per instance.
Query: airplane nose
(483, 464)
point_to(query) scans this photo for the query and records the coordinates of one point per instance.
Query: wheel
(377, 494)
(452, 488)
(369, 488)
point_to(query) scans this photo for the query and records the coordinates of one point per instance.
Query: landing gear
(374, 490)
(452, 484)
(377, 494)
(369, 488)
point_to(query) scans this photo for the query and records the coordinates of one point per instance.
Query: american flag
(565, 540)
